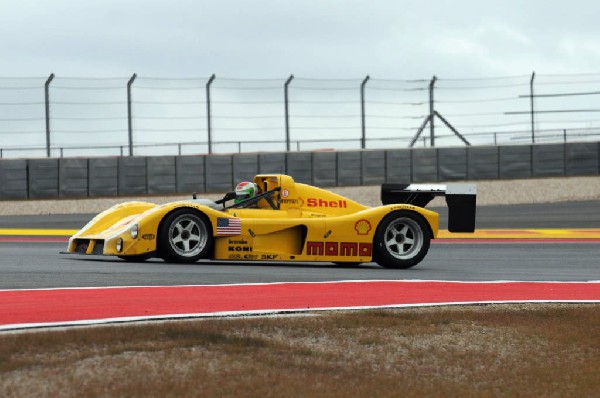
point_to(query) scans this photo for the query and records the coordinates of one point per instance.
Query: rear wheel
(402, 240)
(184, 237)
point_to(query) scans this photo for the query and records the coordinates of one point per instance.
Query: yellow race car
(284, 221)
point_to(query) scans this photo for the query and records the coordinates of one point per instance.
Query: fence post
(532, 109)
(47, 103)
(431, 112)
(129, 114)
(363, 141)
(208, 116)
(287, 111)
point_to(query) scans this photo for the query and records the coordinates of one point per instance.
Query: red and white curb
(35, 308)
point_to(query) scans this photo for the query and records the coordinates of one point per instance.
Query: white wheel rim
(403, 238)
(188, 235)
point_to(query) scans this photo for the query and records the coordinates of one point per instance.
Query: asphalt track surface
(583, 214)
(40, 265)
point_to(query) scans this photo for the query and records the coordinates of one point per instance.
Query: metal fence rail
(59, 116)
(250, 146)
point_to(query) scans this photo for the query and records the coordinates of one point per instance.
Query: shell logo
(362, 227)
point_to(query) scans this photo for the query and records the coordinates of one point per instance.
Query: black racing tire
(402, 240)
(136, 258)
(185, 236)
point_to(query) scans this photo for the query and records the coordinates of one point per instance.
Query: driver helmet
(245, 190)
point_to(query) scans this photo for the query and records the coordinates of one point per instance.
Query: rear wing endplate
(460, 198)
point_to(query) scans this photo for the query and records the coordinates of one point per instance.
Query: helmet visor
(243, 195)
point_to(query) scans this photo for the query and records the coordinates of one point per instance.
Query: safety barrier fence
(62, 116)
(200, 147)
(152, 175)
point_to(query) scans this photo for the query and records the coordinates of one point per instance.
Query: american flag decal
(229, 226)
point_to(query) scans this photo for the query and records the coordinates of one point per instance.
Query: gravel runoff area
(499, 192)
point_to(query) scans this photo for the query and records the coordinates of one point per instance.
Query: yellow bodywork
(308, 224)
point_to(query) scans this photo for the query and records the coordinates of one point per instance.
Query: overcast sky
(320, 38)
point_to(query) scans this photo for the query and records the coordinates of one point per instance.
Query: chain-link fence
(59, 116)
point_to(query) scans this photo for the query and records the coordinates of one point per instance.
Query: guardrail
(133, 175)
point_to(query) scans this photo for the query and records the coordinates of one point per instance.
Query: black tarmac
(40, 265)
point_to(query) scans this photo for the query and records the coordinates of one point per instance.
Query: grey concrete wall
(125, 176)
(373, 167)
(161, 174)
(271, 163)
(103, 177)
(349, 168)
(398, 165)
(132, 176)
(219, 173)
(245, 167)
(582, 159)
(73, 178)
(13, 179)
(548, 160)
(425, 165)
(483, 163)
(43, 178)
(190, 174)
(515, 162)
(452, 164)
(324, 169)
(299, 166)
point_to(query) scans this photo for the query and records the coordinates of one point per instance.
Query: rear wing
(461, 200)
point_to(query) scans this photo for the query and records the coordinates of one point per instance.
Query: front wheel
(184, 237)
(401, 240)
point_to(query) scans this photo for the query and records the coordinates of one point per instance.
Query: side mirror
(228, 196)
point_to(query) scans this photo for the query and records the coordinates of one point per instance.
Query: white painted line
(25, 326)
(295, 282)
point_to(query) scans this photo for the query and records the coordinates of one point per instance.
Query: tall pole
(363, 140)
(208, 116)
(129, 114)
(287, 111)
(431, 113)
(47, 101)
(532, 109)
